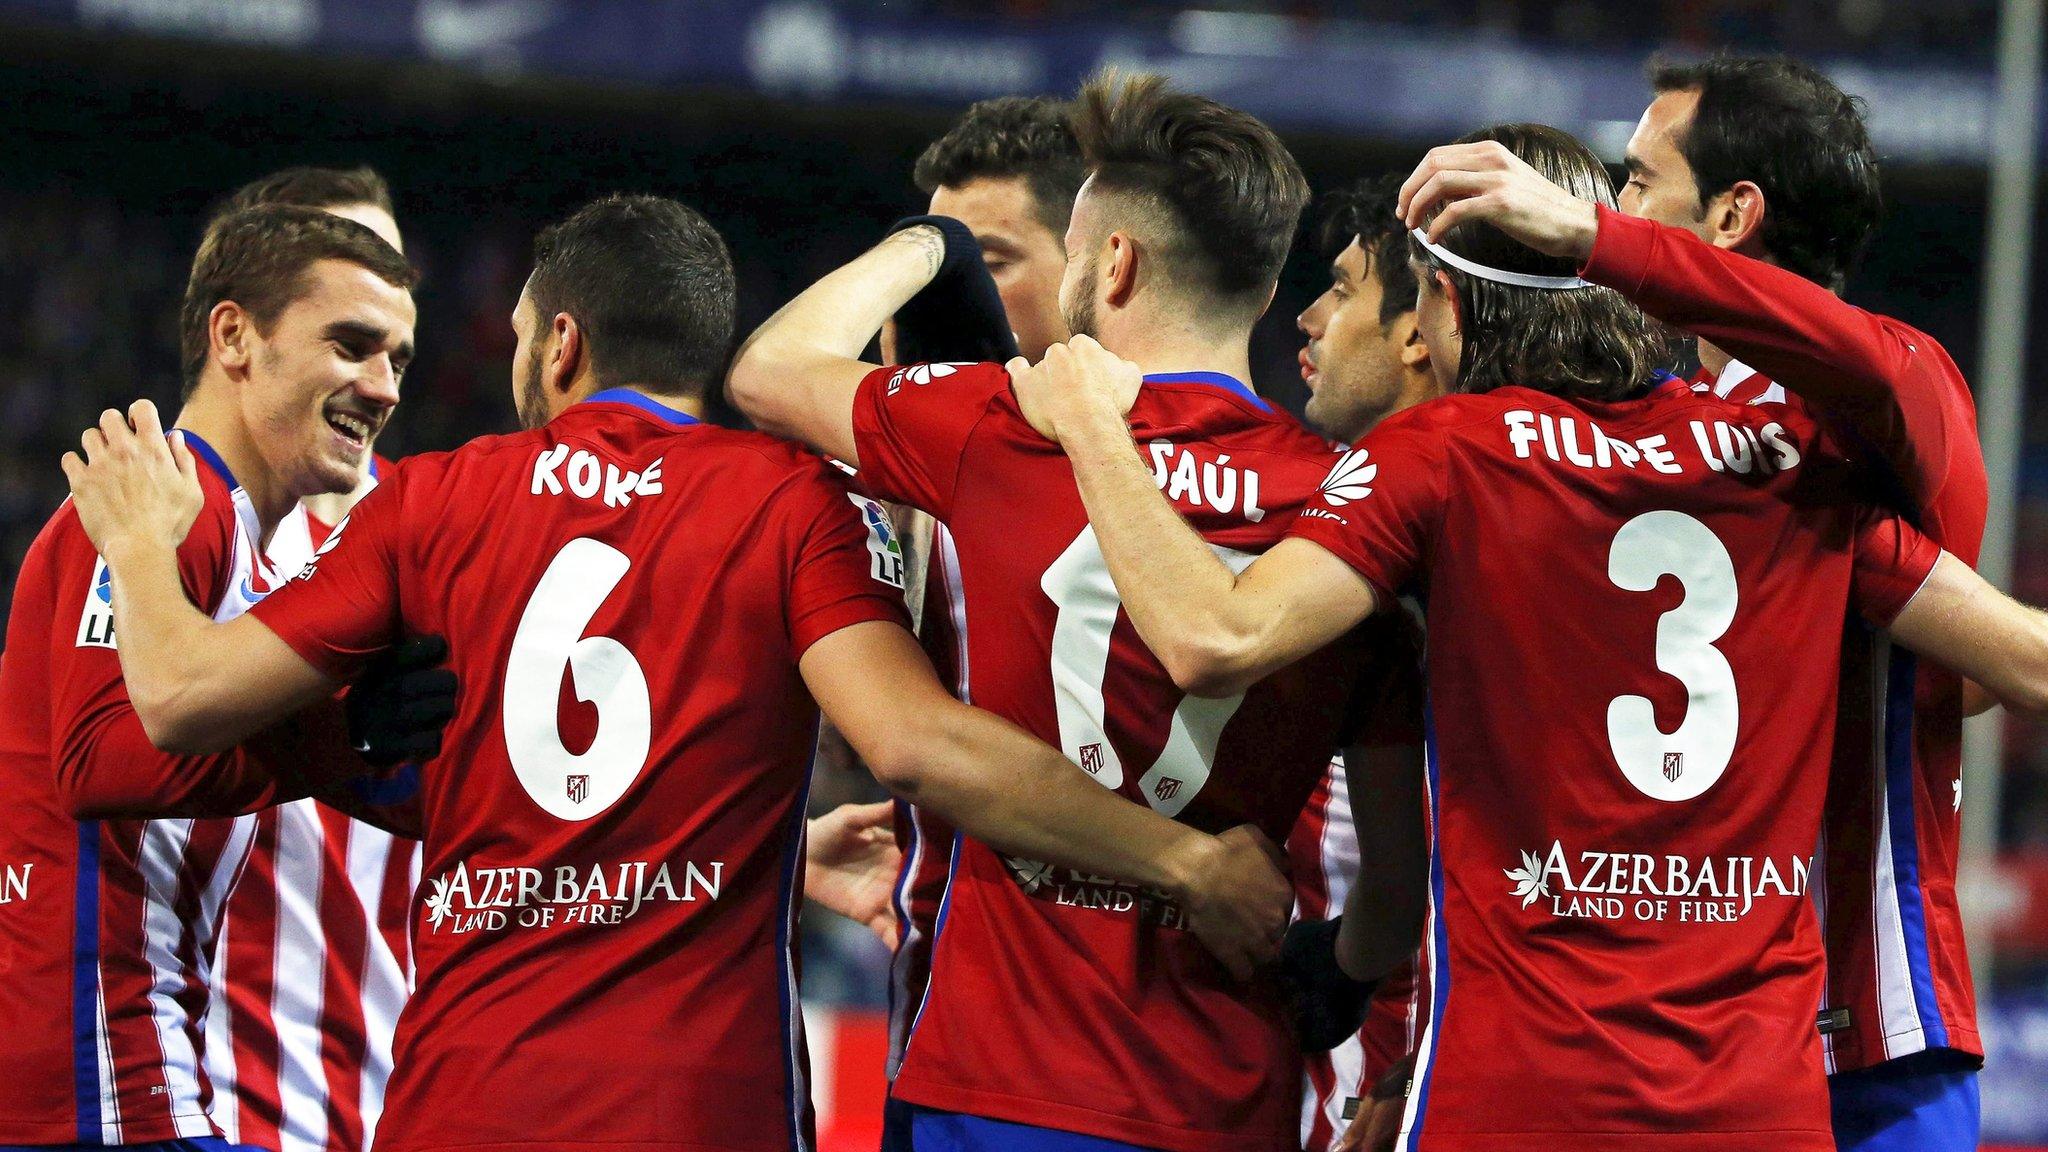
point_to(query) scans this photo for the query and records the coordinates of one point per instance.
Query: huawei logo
(1350, 480)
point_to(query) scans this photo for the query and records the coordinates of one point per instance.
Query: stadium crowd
(1835, 457)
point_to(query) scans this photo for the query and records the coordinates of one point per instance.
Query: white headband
(1497, 275)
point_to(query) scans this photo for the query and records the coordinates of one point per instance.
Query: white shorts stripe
(162, 860)
(300, 988)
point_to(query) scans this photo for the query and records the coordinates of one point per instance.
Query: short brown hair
(260, 258)
(1583, 342)
(310, 187)
(1011, 136)
(1232, 190)
(651, 285)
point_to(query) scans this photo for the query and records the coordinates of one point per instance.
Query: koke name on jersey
(1639, 886)
(492, 899)
(584, 476)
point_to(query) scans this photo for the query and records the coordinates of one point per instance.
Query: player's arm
(1383, 912)
(1960, 620)
(993, 781)
(796, 375)
(1216, 631)
(197, 685)
(1849, 363)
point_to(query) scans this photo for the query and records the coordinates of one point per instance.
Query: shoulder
(1453, 413)
(952, 379)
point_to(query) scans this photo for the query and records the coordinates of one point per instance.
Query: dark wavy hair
(1789, 130)
(1023, 136)
(1582, 342)
(1364, 212)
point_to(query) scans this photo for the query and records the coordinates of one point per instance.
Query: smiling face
(1026, 258)
(323, 380)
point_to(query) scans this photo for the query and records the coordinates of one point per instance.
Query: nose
(378, 382)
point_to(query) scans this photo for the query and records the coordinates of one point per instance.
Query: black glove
(1329, 1006)
(959, 315)
(397, 709)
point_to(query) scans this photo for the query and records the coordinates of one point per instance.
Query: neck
(688, 403)
(1169, 348)
(211, 416)
(1713, 359)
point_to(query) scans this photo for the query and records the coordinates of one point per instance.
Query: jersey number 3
(1687, 762)
(601, 671)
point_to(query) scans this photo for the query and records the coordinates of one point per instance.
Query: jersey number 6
(601, 672)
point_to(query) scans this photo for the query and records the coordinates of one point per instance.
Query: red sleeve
(1893, 561)
(846, 565)
(342, 610)
(105, 765)
(1893, 388)
(911, 424)
(1379, 508)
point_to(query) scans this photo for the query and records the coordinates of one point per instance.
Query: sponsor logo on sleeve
(1350, 480)
(96, 623)
(885, 552)
(921, 374)
(326, 546)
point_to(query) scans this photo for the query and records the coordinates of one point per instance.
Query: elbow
(174, 728)
(1209, 663)
(759, 375)
(899, 763)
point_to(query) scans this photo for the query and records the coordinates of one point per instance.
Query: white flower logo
(437, 902)
(1031, 874)
(1532, 879)
(926, 373)
(1350, 479)
(923, 374)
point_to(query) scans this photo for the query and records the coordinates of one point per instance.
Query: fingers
(142, 417)
(74, 468)
(1449, 187)
(879, 816)
(1479, 156)
(1017, 366)
(93, 444)
(181, 455)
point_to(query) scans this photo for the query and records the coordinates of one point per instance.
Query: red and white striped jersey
(107, 926)
(314, 963)
(1898, 972)
(1322, 858)
(925, 840)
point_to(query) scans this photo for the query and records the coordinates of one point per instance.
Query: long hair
(1582, 342)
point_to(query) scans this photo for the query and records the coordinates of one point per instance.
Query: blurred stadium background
(793, 123)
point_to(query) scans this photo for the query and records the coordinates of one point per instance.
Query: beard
(1080, 317)
(533, 397)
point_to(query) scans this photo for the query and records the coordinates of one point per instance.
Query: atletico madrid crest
(579, 787)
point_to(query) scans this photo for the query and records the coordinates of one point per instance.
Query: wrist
(1187, 863)
(1585, 231)
(131, 554)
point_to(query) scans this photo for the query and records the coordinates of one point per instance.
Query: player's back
(1060, 999)
(605, 943)
(1634, 616)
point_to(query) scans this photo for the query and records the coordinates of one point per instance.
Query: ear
(1737, 217)
(1120, 271)
(567, 357)
(230, 336)
(1450, 291)
(1407, 335)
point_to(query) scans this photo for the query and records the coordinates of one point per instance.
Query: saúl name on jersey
(494, 898)
(1723, 447)
(1188, 479)
(583, 475)
(1640, 886)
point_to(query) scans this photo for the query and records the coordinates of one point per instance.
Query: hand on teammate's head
(1486, 182)
(130, 484)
